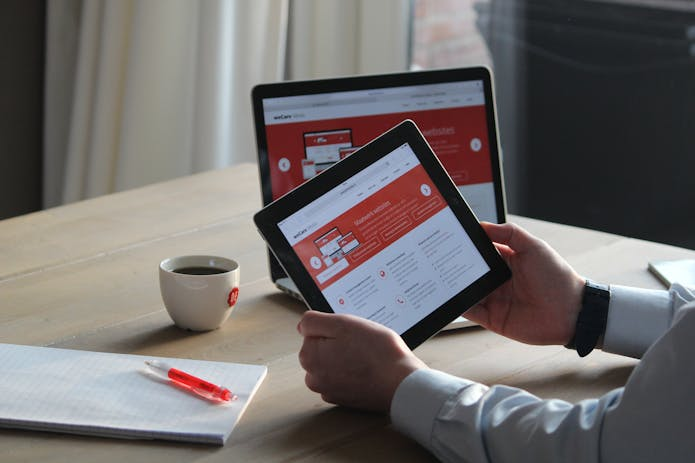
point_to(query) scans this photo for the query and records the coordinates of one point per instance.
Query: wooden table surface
(84, 276)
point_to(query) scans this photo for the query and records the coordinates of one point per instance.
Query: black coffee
(199, 270)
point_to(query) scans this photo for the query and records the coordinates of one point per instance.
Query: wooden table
(84, 276)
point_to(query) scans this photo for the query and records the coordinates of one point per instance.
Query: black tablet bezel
(262, 92)
(268, 218)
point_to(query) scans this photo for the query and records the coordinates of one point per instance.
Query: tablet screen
(384, 244)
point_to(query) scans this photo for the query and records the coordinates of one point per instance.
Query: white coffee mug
(199, 292)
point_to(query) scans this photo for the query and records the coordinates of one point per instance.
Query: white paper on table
(103, 394)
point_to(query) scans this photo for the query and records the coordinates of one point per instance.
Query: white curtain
(161, 88)
(331, 38)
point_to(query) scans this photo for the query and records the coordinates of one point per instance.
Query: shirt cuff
(419, 399)
(636, 318)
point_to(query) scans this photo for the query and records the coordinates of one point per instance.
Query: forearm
(460, 420)
(638, 317)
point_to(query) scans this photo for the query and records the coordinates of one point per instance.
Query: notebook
(303, 127)
(674, 271)
(103, 394)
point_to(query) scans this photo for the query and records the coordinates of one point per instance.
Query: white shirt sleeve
(647, 420)
(637, 317)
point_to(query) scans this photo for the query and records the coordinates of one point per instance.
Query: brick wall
(445, 35)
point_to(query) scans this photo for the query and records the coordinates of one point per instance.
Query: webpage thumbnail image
(325, 148)
(333, 246)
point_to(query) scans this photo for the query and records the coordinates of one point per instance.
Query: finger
(478, 314)
(504, 250)
(509, 234)
(329, 399)
(319, 324)
(313, 383)
(309, 354)
(321, 384)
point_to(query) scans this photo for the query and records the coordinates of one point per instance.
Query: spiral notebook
(103, 394)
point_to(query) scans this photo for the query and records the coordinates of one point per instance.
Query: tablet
(384, 234)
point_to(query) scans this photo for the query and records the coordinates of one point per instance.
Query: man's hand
(352, 361)
(540, 304)
(358, 363)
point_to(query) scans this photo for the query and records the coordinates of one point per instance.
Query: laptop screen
(303, 128)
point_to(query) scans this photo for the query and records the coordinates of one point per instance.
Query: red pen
(189, 382)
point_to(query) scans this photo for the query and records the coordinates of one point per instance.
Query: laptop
(304, 127)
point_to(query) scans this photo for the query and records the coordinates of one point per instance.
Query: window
(445, 34)
(596, 104)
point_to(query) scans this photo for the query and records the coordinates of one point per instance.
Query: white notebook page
(103, 394)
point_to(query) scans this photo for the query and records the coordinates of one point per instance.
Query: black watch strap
(592, 318)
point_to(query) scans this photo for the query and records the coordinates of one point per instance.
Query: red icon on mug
(233, 296)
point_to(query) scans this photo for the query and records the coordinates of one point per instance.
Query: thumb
(509, 234)
(319, 324)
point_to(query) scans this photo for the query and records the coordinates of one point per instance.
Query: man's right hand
(540, 304)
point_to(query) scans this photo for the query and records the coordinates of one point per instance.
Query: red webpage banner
(458, 137)
(360, 233)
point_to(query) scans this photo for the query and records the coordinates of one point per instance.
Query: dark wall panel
(22, 32)
(607, 114)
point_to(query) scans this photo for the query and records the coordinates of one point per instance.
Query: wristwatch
(592, 318)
